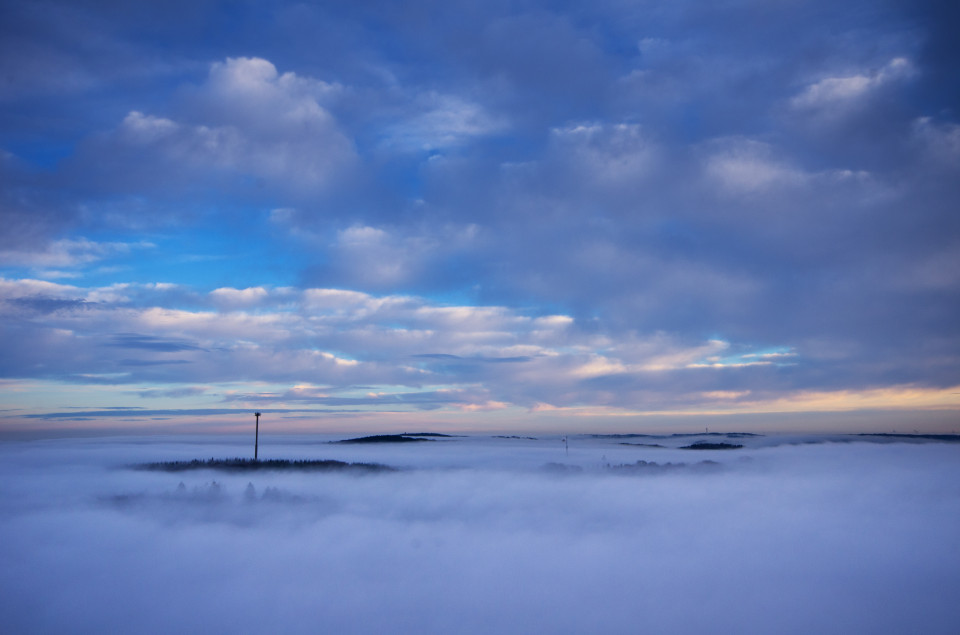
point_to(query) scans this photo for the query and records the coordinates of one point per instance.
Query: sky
(546, 216)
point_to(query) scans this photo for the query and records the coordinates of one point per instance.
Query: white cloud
(387, 257)
(746, 166)
(69, 253)
(340, 301)
(140, 128)
(23, 288)
(606, 154)
(598, 365)
(442, 121)
(250, 119)
(939, 140)
(250, 93)
(656, 354)
(841, 92)
(230, 297)
(375, 256)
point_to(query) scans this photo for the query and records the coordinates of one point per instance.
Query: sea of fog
(481, 534)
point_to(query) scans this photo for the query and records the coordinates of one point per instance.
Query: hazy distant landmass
(678, 435)
(893, 436)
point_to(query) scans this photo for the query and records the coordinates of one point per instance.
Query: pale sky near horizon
(560, 216)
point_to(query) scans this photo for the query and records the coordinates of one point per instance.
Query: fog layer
(474, 535)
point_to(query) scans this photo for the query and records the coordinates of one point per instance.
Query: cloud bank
(474, 536)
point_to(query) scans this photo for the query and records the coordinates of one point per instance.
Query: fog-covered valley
(482, 534)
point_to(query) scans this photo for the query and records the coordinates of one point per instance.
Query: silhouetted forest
(389, 438)
(246, 465)
(703, 445)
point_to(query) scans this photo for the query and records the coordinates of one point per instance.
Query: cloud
(422, 400)
(189, 391)
(441, 122)
(605, 157)
(73, 50)
(245, 121)
(462, 355)
(69, 253)
(844, 92)
(378, 258)
(151, 343)
(940, 140)
(33, 217)
(29, 288)
(230, 297)
(745, 166)
(45, 304)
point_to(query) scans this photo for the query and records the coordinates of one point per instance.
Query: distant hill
(389, 438)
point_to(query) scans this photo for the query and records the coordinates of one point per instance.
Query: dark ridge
(247, 465)
(645, 445)
(385, 438)
(702, 445)
(512, 436)
(949, 438)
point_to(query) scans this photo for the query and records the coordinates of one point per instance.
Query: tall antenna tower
(256, 438)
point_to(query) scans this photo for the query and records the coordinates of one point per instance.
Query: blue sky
(501, 215)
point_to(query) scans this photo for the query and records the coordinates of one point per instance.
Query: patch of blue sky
(780, 354)
(363, 391)
(45, 155)
(201, 258)
(446, 297)
(773, 356)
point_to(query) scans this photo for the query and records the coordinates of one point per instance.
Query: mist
(483, 534)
